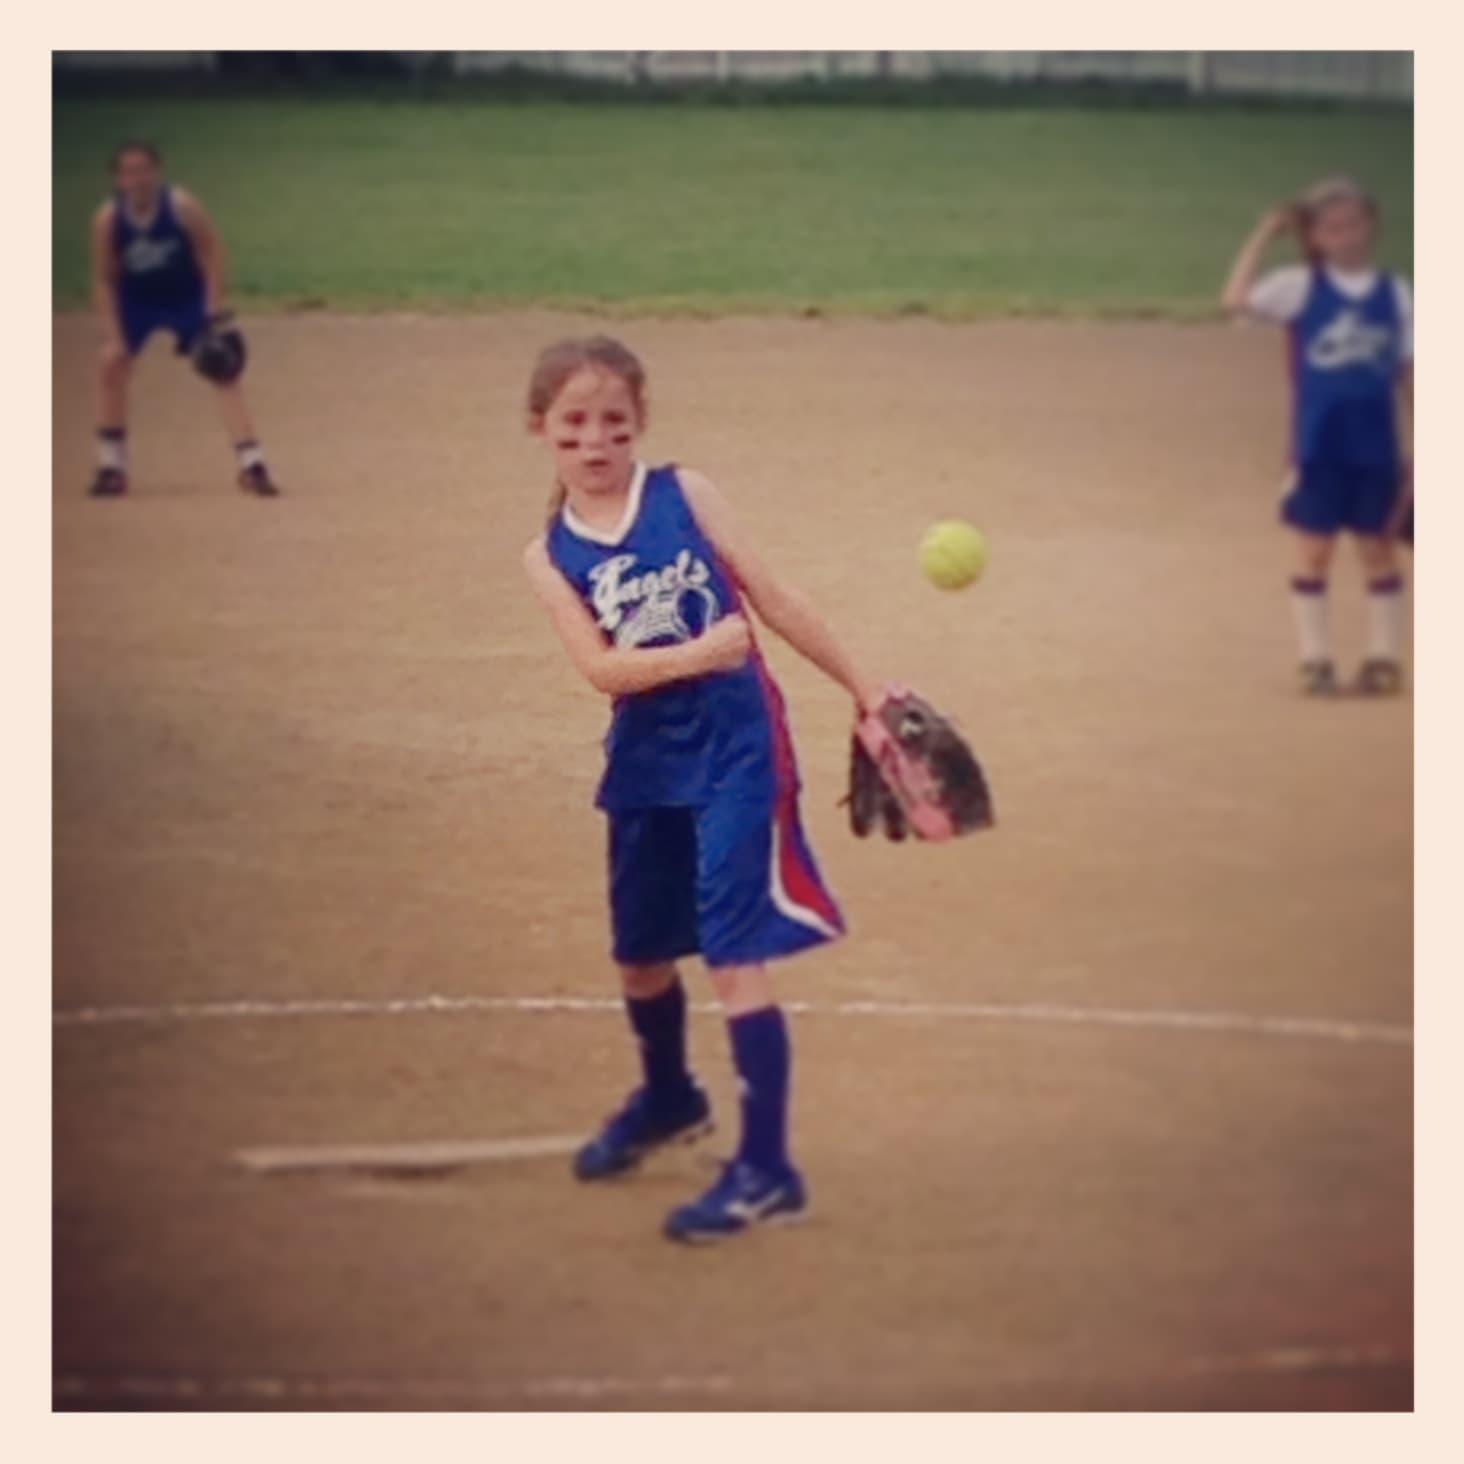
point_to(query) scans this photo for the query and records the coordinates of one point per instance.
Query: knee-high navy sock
(659, 1023)
(764, 1058)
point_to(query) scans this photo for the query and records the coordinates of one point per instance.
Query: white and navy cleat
(741, 1198)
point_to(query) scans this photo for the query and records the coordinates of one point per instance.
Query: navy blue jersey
(1346, 355)
(656, 580)
(157, 264)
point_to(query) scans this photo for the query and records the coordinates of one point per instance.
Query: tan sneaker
(1379, 676)
(1318, 678)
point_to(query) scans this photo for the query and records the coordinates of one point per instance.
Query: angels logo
(144, 254)
(1349, 341)
(675, 602)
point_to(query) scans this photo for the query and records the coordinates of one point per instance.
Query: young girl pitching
(1351, 344)
(645, 572)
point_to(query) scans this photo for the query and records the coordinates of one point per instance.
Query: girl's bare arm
(1247, 264)
(208, 246)
(783, 608)
(618, 672)
(104, 275)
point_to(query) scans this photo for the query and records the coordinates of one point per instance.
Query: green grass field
(355, 204)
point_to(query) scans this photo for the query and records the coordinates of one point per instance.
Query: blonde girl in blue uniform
(1349, 325)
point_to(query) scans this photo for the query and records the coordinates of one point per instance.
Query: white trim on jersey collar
(137, 221)
(576, 525)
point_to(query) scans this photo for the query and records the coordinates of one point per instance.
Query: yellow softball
(952, 554)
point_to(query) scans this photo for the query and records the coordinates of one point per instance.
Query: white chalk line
(1321, 1029)
(1302, 1360)
(163, 1389)
(170, 1389)
(436, 1154)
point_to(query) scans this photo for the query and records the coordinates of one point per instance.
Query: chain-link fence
(1360, 75)
(1339, 75)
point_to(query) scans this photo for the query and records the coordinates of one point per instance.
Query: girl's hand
(1284, 219)
(1404, 506)
(727, 644)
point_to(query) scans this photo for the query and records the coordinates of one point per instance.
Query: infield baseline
(1320, 1029)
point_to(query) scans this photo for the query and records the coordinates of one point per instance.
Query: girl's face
(591, 428)
(1342, 232)
(138, 179)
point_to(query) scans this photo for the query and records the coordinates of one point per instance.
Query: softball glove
(219, 353)
(909, 769)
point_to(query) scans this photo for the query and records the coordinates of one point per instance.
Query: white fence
(1355, 75)
(1372, 75)
(135, 60)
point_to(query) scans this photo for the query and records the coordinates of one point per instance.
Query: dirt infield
(1065, 1144)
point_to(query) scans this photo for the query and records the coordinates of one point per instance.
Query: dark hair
(557, 363)
(149, 150)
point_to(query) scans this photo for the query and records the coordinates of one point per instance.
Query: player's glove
(910, 768)
(219, 353)
(870, 802)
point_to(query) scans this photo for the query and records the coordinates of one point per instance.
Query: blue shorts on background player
(157, 266)
(646, 576)
(1350, 340)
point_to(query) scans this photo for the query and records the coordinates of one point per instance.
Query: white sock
(1385, 618)
(251, 455)
(1309, 606)
(112, 448)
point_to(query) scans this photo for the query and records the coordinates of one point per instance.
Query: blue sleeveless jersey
(1346, 356)
(657, 581)
(157, 263)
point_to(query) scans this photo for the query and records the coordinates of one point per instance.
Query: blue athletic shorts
(735, 882)
(185, 321)
(1325, 498)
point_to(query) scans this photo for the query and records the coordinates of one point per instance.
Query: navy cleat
(255, 479)
(640, 1126)
(108, 483)
(741, 1198)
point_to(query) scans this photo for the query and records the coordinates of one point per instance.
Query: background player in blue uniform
(1350, 329)
(646, 573)
(157, 264)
